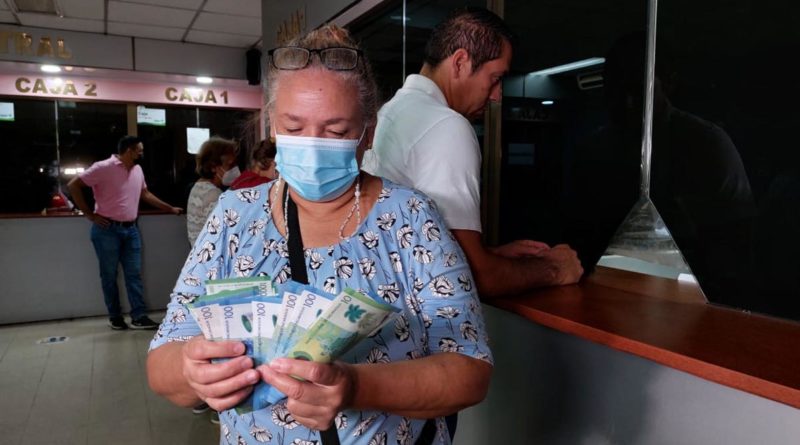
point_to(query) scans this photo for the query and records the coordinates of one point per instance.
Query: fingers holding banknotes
(221, 385)
(326, 389)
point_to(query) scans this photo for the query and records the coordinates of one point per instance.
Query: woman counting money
(350, 230)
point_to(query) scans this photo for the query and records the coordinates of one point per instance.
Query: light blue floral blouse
(402, 252)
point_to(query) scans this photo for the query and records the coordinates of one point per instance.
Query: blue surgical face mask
(319, 169)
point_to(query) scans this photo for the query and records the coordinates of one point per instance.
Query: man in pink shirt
(118, 185)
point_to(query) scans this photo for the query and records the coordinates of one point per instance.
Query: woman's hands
(326, 390)
(221, 385)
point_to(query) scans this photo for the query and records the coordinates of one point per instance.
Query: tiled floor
(91, 389)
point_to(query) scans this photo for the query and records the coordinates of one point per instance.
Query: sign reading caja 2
(38, 85)
(193, 95)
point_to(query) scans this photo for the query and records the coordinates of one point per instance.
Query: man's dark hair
(479, 31)
(127, 142)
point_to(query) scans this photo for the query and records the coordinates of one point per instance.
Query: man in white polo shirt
(424, 140)
(118, 185)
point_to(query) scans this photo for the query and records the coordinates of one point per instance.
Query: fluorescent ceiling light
(204, 79)
(51, 68)
(547, 102)
(569, 67)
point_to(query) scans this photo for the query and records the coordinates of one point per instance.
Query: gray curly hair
(325, 37)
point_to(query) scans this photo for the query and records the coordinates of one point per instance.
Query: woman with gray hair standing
(352, 230)
(216, 165)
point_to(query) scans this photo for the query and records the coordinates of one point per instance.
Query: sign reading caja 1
(194, 95)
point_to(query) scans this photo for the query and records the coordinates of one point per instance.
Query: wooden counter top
(670, 323)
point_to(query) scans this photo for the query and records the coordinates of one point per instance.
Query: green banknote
(300, 307)
(349, 318)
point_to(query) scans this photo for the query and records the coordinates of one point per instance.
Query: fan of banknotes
(292, 320)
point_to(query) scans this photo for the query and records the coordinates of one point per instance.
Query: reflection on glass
(736, 105)
(725, 170)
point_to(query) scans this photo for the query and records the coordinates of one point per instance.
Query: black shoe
(143, 323)
(117, 323)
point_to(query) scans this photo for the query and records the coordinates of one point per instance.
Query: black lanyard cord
(297, 264)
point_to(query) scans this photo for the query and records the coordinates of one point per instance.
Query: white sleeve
(445, 164)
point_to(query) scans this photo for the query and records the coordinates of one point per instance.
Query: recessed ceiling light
(51, 68)
(204, 80)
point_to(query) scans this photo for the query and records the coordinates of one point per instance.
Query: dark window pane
(29, 171)
(169, 169)
(381, 37)
(165, 151)
(87, 132)
(730, 175)
(568, 175)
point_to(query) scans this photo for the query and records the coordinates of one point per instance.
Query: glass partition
(29, 171)
(87, 132)
(394, 50)
(725, 176)
(566, 175)
(46, 143)
(726, 169)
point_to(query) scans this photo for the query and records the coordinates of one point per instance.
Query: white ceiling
(234, 23)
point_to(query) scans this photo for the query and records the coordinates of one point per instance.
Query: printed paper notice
(7, 111)
(151, 116)
(195, 138)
